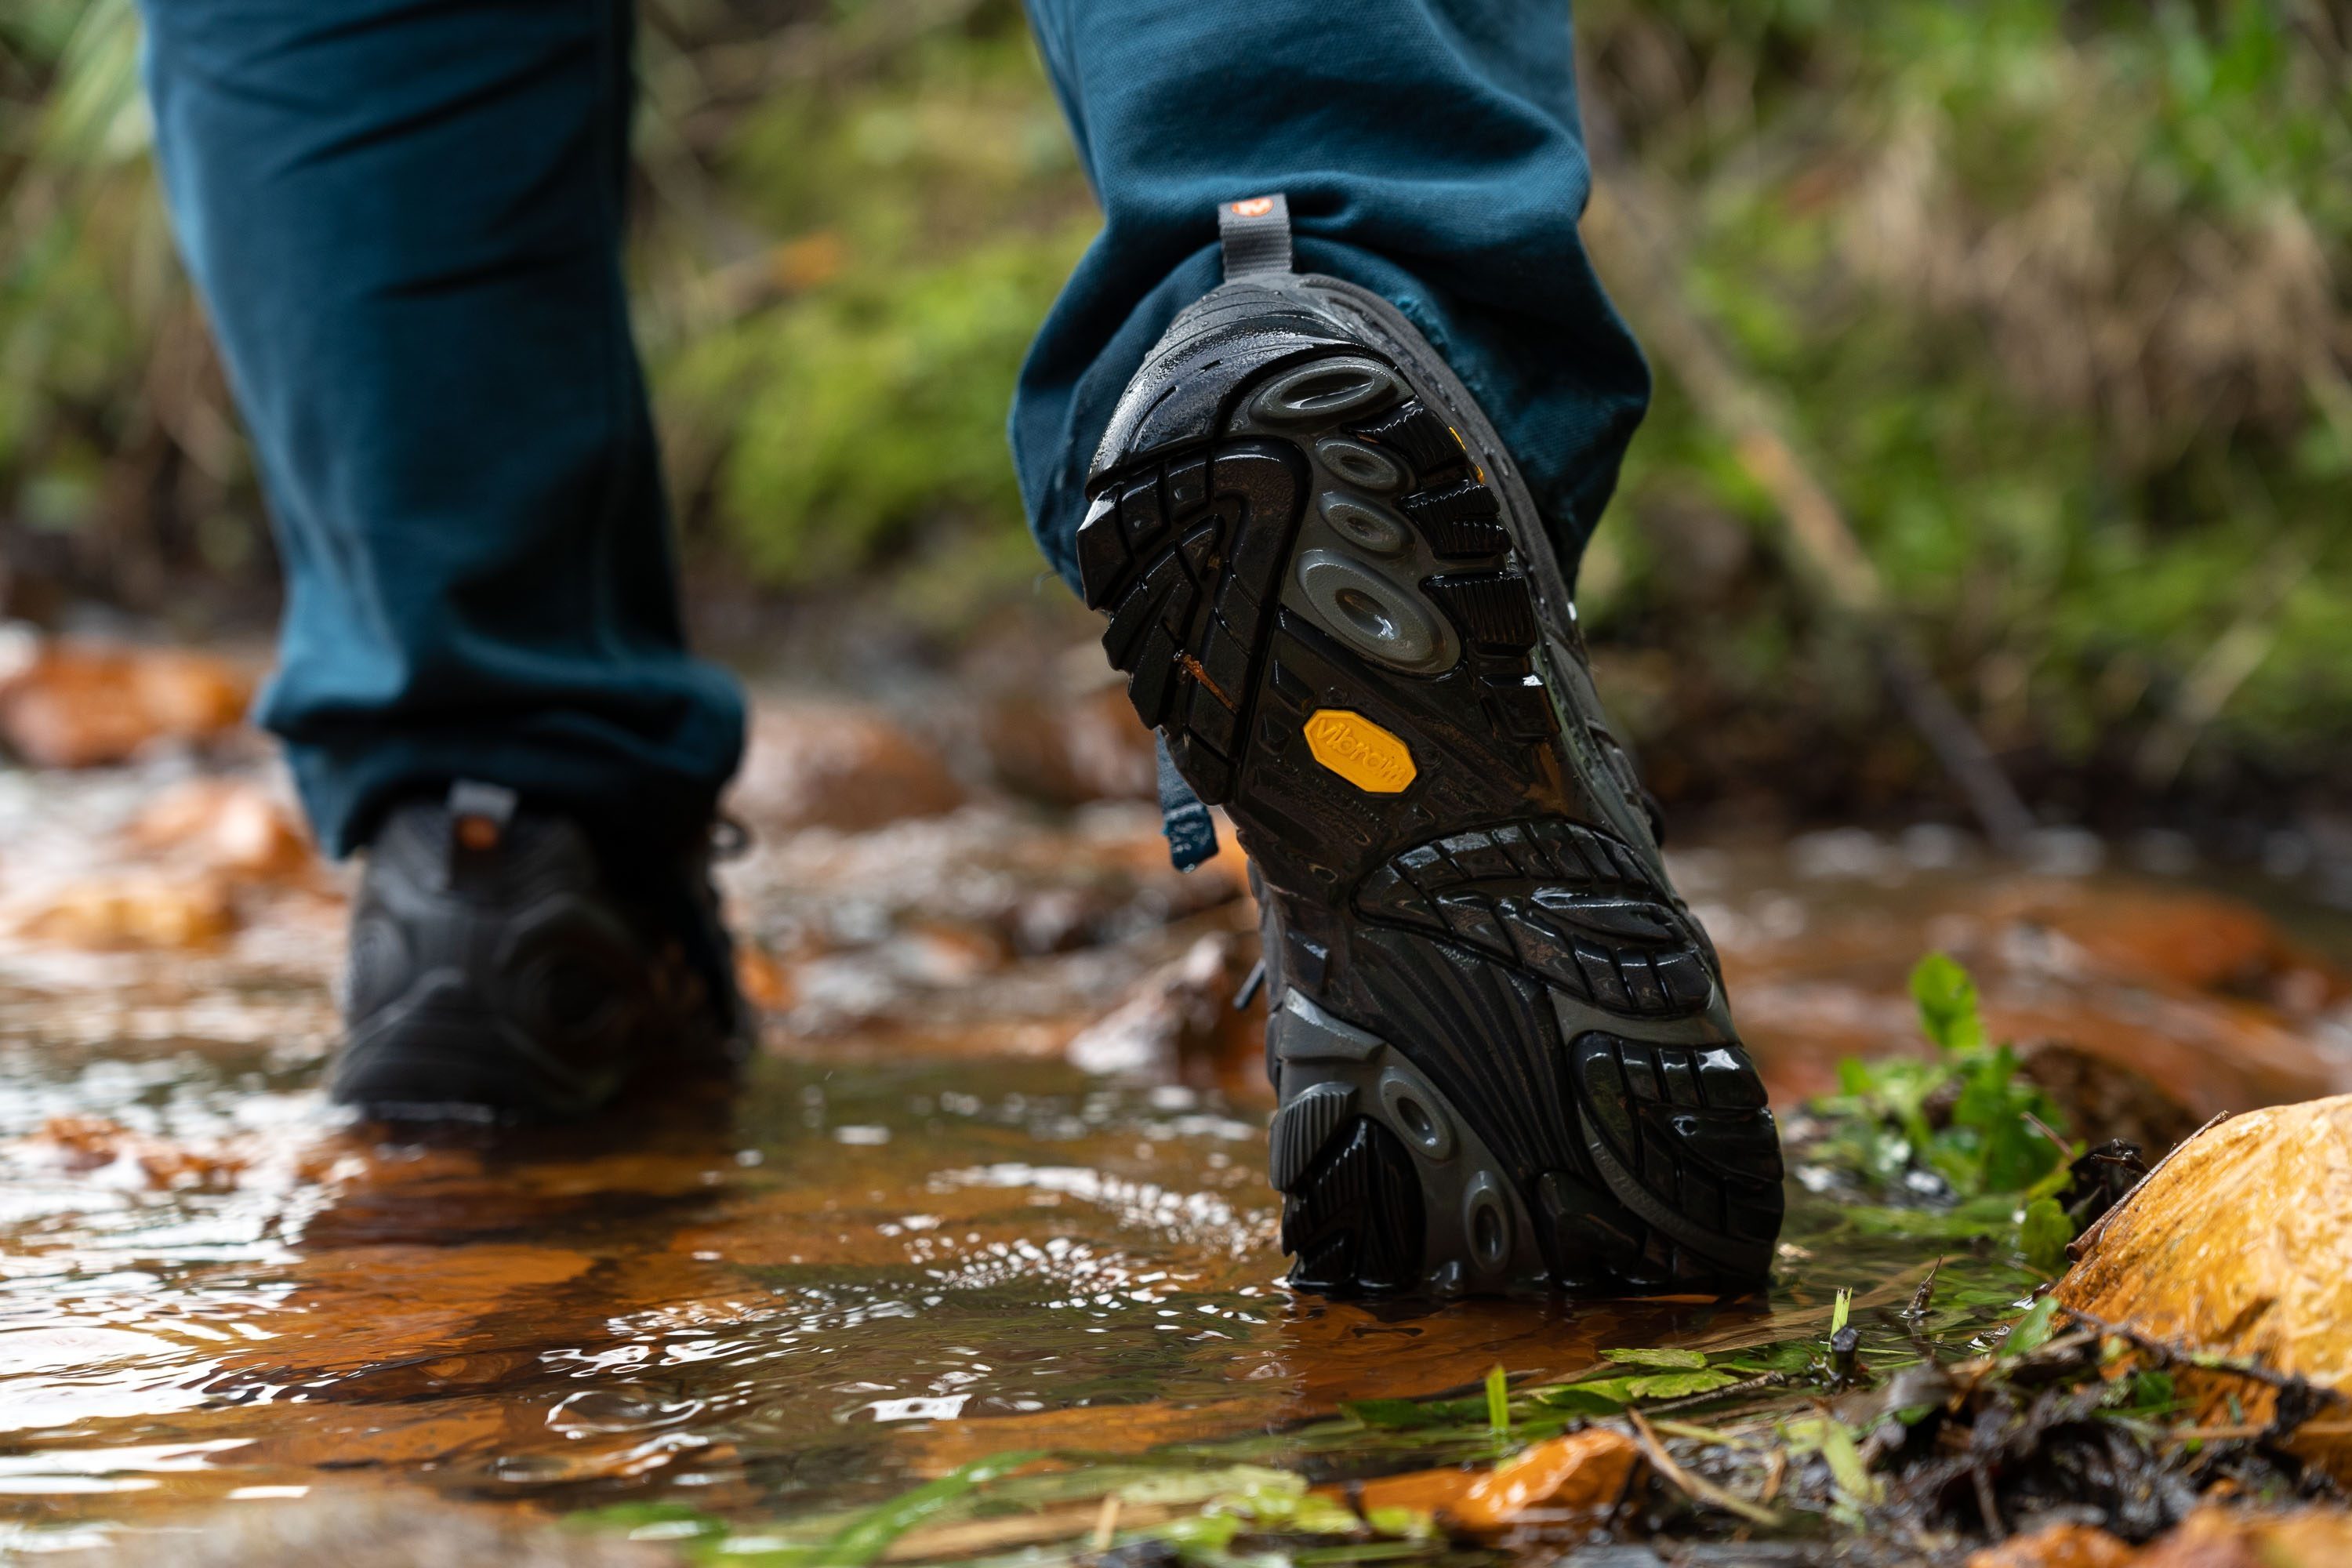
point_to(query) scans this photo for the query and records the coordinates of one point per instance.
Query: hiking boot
(500, 968)
(1499, 1039)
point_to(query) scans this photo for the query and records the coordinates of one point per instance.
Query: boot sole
(1502, 1053)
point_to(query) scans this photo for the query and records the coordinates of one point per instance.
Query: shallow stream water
(918, 1235)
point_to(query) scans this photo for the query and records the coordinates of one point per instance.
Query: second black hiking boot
(1500, 1041)
(501, 968)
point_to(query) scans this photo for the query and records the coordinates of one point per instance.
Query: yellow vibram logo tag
(1358, 751)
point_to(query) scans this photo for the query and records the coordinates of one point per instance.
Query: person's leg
(1430, 151)
(407, 220)
(1332, 517)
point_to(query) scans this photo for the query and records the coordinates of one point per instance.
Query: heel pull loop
(1255, 234)
(479, 815)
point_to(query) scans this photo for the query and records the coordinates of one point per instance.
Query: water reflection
(867, 1267)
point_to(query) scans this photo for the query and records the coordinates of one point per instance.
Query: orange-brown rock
(139, 909)
(1180, 1020)
(84, 1143)
(2219, 1537)
(830, 765)
(765, 984)
(78, 705)
(1072, 750)
(1584, 1472)
(228, 823)
(2105, 1099)
(2242, 1243)
(2056, 1546)
(2196, 940)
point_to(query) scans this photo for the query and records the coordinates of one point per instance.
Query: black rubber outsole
(1501, 1047)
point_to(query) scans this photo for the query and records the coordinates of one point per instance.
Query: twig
(1698, 1434)
(1926, 1291)
(980, 1537)
(2057, 1141)
(1988, 1506)
(2206, 1360)
(1696, 1488)
(2247, 1429)
(1106, 1521)
(1755, 1384)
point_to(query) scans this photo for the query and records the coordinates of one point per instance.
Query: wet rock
(77, 705)
(356, 1529)
(1583, 1473)
(2213, 1538)
(1180, 1021)
(2241, 1245)
(1084, 748)
(2060, 1545)
(92, 1145)
(765, 984)
(2104, 1099)
(136, 910)
(813, 764)
(2193, 940)
(229, 825)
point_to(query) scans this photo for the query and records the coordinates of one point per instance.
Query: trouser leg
(406, 219)
(1430, 151)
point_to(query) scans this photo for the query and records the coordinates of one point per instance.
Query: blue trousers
(406, 218)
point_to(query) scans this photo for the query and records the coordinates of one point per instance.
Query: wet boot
(500, 968)
(1499, 1039)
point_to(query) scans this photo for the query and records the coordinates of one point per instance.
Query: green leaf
(2153, 1393)
(2044, 1235)
(1597, 1396)
(1845, 1464)
(1207, 1531)
(1679, 1385)
(1498, 1400)
(1411, 1523)
(1948, 1005)
(2033, 1331)
(1840, 1310)
(1183, 1487)
(866, 1538)
(1392, 1414)
(1663, 1357)
(2016, 1156)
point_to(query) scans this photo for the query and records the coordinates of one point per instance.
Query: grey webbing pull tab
(1255, 235)
(479, 815)
(1192, 833)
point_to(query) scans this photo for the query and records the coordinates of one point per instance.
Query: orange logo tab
(1257, 206)
(1360, 751)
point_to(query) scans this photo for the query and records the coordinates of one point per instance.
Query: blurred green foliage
(1964, 1116)
(2052, 292)
(2055, 294)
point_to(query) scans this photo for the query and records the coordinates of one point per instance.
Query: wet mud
(995, 1183)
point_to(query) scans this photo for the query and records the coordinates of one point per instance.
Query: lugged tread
(1353, 1220)
(1303, 1127)
(1558, 899)
(1187, 603)
(1454, 1114)
(1713, 1161)
(1493, 608)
